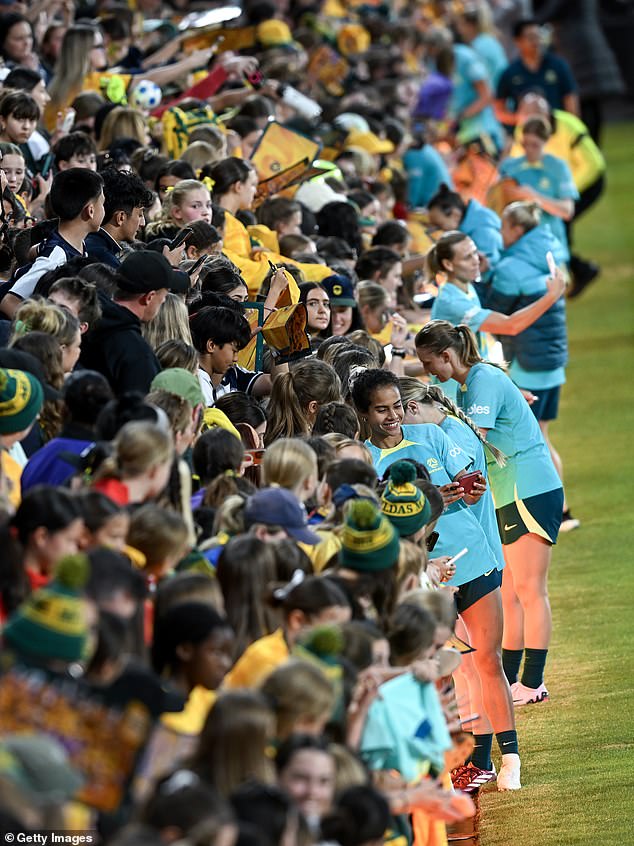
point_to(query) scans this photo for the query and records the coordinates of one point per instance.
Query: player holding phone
(527, 491)
(377, 399)
(489, 697)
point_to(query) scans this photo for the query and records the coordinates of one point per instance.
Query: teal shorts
(537, 515)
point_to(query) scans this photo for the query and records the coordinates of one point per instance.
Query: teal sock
(534, 663)
(507, 741)
(481, 756)
(511, 660)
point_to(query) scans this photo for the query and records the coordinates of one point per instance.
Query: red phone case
(467, 481)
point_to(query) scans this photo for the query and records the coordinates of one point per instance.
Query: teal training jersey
(457, 306)
(493, 402)
(552, 178)
(457, 527)
(484, 510)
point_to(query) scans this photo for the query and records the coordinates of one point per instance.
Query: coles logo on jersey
(478, 409)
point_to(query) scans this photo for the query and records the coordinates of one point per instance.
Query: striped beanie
(21, 398)
(51, 623)
(403, 503)
(369, 541)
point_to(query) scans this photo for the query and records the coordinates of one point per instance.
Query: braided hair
(412, 389)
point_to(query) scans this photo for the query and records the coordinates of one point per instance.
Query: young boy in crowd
(75, 150)
(77, 199)
(126, 198)
(219, 334)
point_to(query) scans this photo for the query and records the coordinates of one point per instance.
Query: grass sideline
(577, 749)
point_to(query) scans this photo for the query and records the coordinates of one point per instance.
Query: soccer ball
(146, 96)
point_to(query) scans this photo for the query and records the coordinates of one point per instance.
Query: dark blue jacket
(102, 247)
(518, 280)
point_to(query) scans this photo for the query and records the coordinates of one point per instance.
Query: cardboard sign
(285, 333)
(279, 149)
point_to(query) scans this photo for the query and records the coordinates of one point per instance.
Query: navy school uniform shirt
(52, 253)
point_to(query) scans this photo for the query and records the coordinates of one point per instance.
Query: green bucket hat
(403, 503)
(181, 382)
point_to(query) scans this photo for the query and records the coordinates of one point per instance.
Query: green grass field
(577, 761)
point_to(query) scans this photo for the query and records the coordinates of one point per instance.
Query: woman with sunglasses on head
(527, 492)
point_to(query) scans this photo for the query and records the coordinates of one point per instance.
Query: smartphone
(47, 164)
(69, 120)
(552, 267)
(182, 236)
(431, 541)
(467, 481)
(192, 270)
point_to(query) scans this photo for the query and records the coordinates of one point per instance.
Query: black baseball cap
(143, 271)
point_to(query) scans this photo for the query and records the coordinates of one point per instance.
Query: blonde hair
(371, 294)
(211, 135)
(412, 390)
(138, 447)
(299, 690)
(177, 408)
(229, 517)
(200, 153)
(349, 771)
(340, 442)
(123, 122)
(528, 215)
(37, 315)
(73, 64)
(170, 324)
(233, 742)
(177, 353)
(412, 560)
(158, 533)
(176, 196)
(439, 603)
(288, 463)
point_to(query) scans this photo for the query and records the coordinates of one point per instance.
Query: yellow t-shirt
(255, 266)
(258, 661)
(11, 473)
(173, 741)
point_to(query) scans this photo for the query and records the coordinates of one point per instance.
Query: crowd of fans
(277, 484)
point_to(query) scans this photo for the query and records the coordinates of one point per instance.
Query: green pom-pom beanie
(369, 541)
(51, 623)
(405, 505)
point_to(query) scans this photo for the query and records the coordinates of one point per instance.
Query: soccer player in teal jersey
(527, 493)
(376, 396)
